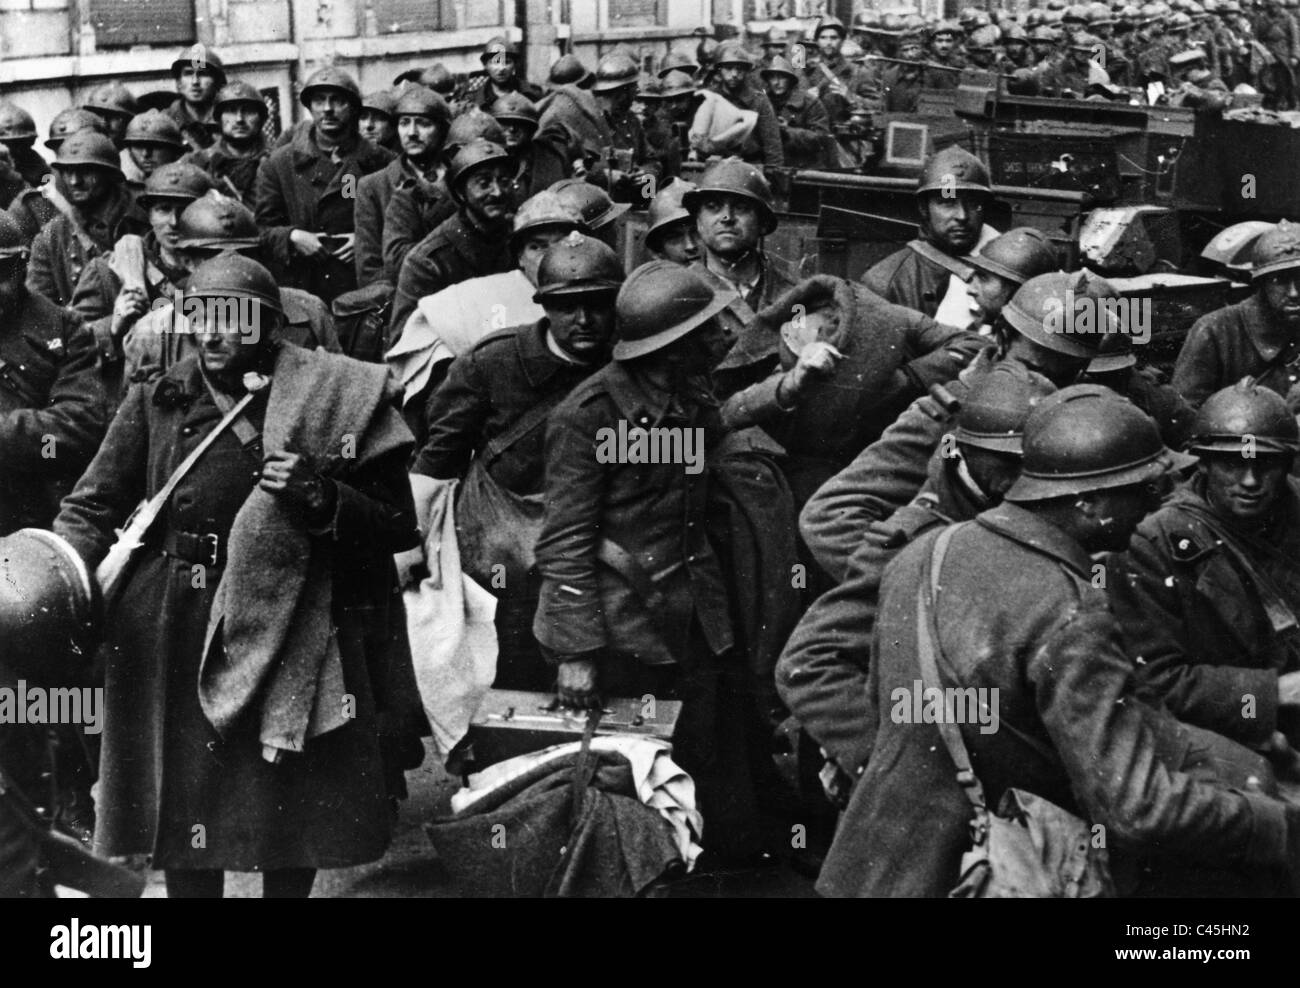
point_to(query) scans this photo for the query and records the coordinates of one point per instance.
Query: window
(637, 13)
(122, 23)
(397, 16)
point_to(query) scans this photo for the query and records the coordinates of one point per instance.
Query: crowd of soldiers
(855, 438)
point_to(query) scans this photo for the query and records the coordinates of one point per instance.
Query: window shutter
(122, 23)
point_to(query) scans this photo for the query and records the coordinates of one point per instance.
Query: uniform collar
(540, 365)
(353, 148)
(1019, 525)
(642, 403)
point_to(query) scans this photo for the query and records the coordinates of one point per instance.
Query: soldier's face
(241, 121)
(680, 243)
(1244, 489)
(500, 68)
(1115, 515)
(943, 44)
(682, 107)
(228, 350)
(993, 472)
(535, 244)
(1041, 49)
(149, 156)
(728, 225)
(733, 76)
(419, 135)
(1282, 296)
(332, 112)
(86, 185)
(197, 86)
(162, 218)
(954, 222)
(829, 43)
(376, 127)
(989, 293)
(910, 52)
(583, 325)
(1016, 50)
(114, 126)
(519, 134)
(778, 85)
(489, 193)
(616, 102)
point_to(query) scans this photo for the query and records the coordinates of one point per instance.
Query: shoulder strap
(521, 426)
(936, 256)
(244, 430)
(927, 644)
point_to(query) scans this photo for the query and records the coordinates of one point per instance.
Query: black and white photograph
(650, 449)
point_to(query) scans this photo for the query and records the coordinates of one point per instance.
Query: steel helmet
(1234, 246)
(591, 203)
(16, 124)
(472, 125)
(231, 275)
(1179, 22)
(111, 97)
(1083, 41)
(545, 209)
(738, 178)
(1044, 32)
(154, 127)
(477, 154)
(436, 77)
(993, 415)
(659, 303)
(1087, 438)
(214, 220)
(953, 168)
(733, 53)
(330, 78)
(1017, 255)
(831, 23)
(866, 21)
(1240, 412)
(983, 38)
(676, 61)
(979, 19)
(238, 93)
(202, 59)
(951, 28)
(1044, 307)
(1276, 250)
(666, 209)
(499, 46)
(780, 65)
(514, 106)
(568, 70)
(178, 182)
(88, 147)
(577, 265)
(383, 102)
(1076, 12)
(649, 88)
(967, 17)
(614, 71)
(680, 84)
(1116, 353)
(776, 37)
(49, 610)
(1033, 19)
(13, 243)
(70, 121)
(420, 101)
(1015, 34)
(891, 25)
(1099, 15)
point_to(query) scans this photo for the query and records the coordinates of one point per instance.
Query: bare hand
(576, 685)
(130, 305)
(349, 249)
(306, 244)
(411, 566)
(1288, 689)
(817, 359)
(293, 477)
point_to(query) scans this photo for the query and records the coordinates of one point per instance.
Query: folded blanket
(270, 642)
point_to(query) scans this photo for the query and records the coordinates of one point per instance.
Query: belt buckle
(214, 540)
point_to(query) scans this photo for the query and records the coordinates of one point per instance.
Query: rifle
(68, 862)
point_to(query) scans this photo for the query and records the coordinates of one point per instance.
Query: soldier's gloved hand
(306, 243)
(293, 478)
(348, 251)
(576, 684)
(130, 305)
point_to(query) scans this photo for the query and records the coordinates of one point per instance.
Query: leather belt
(206, 548)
